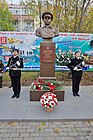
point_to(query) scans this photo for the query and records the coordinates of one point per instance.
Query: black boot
(77, 95)
(74, 94)
(10, 86)
(13, 96)
(17, 96)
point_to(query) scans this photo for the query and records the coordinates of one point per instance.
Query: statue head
(47, 32)
(47, 17)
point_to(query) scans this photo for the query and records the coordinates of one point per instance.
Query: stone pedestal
(35, 95)
(47, 60)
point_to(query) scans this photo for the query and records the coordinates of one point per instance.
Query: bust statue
(47, 32)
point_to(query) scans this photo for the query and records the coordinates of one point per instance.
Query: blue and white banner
(29, 45)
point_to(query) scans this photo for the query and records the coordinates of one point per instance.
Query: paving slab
(72, 108)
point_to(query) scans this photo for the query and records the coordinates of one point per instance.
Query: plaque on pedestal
(47, 59)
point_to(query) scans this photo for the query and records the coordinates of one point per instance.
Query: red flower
(48, 99)
(52, 88)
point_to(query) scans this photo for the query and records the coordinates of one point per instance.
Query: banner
(29, 46)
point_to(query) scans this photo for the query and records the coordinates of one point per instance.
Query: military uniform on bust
(47, 31)
(75, 65)
(13, 65)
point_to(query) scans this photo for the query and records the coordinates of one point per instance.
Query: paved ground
(63, 130)
(72, 108)
(20, 121)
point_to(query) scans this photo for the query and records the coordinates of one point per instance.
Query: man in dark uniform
(1, 72)
(75, 65)
(14, 63)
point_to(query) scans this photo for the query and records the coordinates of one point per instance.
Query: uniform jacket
(75, 62)
(1, 66)
(47, 32)
(12, 64)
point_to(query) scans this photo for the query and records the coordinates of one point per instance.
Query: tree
(6, 21)
(69, 15)
(38, 7)
(84, 14)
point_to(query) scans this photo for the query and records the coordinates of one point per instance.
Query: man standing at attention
(1, 72)
(14, 63)
(75, 65)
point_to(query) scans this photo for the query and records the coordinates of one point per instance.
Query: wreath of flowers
(48, 100)
(51, 85)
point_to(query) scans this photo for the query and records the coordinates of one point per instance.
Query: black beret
(16, 50)
(47, 13)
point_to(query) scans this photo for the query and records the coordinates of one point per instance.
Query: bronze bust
(47, 32)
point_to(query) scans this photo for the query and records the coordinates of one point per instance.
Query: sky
(13, 1)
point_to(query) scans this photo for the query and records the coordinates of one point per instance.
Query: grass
(25, 75)
(28, 77)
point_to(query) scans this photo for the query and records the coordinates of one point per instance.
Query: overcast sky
(13, 1)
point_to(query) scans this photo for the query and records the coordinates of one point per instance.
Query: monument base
(47, 78)
(35, 95)
(47, 59)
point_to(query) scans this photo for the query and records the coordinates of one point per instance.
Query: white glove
(83, 63)
(75, 68)
(7, 68)
(18, 63)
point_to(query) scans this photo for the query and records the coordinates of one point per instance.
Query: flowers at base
(51, 85)
(48, 100)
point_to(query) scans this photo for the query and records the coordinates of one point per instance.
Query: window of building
(16, 23)
(16, 11)
(30, 11)
(28, 23)
(25, 11)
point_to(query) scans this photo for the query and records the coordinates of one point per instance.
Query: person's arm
(8, 64)
(2, 67)
(70, 65)
(19, 63)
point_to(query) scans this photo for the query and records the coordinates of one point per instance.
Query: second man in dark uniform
(75, 65)
(13, 65)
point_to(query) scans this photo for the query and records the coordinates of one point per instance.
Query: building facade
(23, 21)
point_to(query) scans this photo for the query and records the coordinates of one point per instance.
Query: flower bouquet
(51, 85)
(49, 100)
(40, 87)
